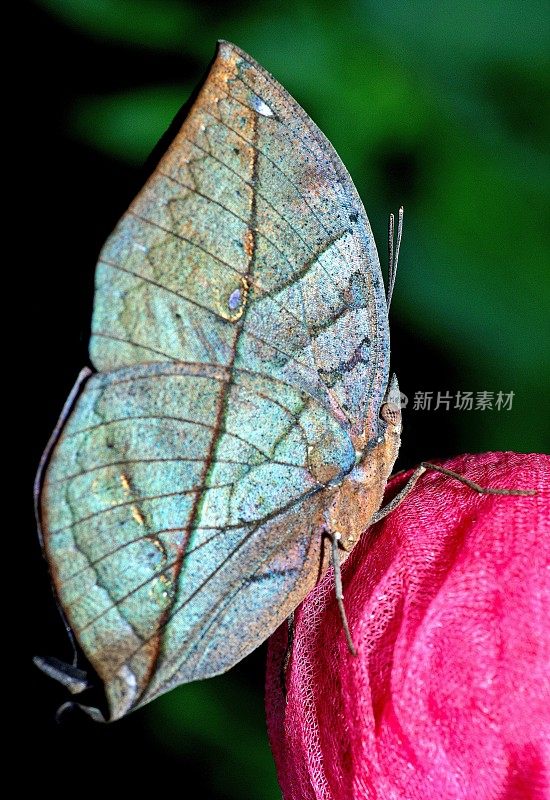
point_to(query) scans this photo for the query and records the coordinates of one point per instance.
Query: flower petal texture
(448, 601)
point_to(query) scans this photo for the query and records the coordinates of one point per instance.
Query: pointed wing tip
(226, 49)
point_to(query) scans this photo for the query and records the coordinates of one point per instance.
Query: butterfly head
(390, 414)
(386, 450)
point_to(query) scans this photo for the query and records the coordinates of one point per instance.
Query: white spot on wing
(129, 688)
(261, 107)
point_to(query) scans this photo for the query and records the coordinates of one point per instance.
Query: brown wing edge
(69, 675)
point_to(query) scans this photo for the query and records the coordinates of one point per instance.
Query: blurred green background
(442, 107)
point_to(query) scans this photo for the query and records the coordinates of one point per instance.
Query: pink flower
(448, 601)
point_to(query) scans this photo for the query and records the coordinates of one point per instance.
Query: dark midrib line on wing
(291, 281)
(326, 150)
(354, 201)
(165, 567)
(176, 609)
(194, 190)
(173, 610)
(276, 166)
(210, 459)
(287, 222)
(210, 153)
(220, 606)
(278, 119)
(218, 531)
(92, 564)
(300, 271)
(294, 279)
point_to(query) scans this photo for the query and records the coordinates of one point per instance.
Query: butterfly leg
(426, 465)
(335, 538)
(475, 486)
(400, 496)
(288, 651)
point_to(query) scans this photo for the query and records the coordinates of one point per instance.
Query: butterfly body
(241, 343)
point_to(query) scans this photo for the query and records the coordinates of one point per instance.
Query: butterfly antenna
(393, 252)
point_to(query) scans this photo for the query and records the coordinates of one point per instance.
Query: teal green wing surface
(176, 544)
(250, 246)
(240, 337)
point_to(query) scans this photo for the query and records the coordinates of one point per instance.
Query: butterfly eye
(390, 413)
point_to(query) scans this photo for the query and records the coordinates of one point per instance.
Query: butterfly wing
(240, 331)
(249, 246)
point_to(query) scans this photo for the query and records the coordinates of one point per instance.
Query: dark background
(441, 107)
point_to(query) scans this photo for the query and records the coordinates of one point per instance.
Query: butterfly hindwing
(161, 526)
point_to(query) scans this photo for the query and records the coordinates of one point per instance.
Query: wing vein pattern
(241, 346)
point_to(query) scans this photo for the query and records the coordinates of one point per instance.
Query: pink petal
(448, 601)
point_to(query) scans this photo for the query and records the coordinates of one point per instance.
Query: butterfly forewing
(249, 244)
(240, 333)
